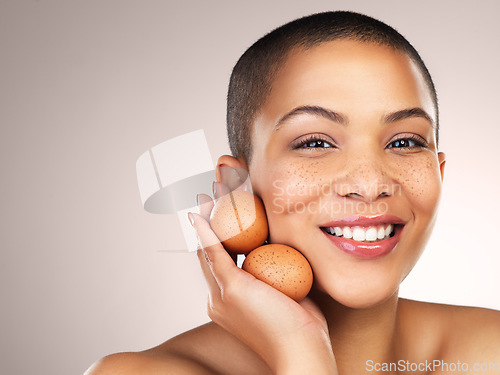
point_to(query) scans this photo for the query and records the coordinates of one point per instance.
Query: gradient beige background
(87, 86)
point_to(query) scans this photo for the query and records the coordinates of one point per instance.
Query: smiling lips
(372, 233)
(365, 237)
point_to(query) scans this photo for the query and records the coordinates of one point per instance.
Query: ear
(442, 162)
(229, 161)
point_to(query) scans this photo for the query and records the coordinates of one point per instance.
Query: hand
(290, 337)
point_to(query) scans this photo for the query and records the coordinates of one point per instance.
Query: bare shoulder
(457, 333)
(135, 363)
(207, 349)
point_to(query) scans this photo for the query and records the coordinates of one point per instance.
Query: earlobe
(442, 162)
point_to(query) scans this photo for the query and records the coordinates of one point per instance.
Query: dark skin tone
(353, 314)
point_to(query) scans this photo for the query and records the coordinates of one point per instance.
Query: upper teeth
(371, 233)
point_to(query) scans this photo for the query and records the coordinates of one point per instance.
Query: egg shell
(239, 220)
(282, 267)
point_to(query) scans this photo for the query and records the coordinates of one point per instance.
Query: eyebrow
(407, 113)
(313, 110)
(342, 120)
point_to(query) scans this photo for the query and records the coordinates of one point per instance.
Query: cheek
(290, 193)
(289, 188)
(421, 189)
(420, 182)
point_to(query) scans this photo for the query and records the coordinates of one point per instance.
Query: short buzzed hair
(253, 74)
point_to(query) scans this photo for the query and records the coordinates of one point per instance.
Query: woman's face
(327, 145)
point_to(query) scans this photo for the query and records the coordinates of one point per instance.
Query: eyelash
(310, 139)
(419, 142)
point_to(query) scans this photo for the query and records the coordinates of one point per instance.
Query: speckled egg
(239, 221)
(282, 267)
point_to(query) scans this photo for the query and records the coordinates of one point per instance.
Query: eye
(408, 142)
(313, 142)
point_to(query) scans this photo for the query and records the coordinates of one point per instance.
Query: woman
(335, 118)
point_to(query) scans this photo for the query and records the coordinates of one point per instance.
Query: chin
(365, 301)
(360, 294)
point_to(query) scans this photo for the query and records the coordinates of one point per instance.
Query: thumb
(315, 311)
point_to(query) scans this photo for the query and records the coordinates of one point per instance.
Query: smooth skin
(365, 97)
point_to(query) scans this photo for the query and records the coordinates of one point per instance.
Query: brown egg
(239, 220)
(282, 267)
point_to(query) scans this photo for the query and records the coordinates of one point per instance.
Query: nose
(365, 179)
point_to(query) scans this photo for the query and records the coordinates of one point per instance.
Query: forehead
(350, 76)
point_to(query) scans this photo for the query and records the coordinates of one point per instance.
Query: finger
(219, 189)
(221, 264)
(205, 204)
(215, 190)
(313, 309)
(213, 287)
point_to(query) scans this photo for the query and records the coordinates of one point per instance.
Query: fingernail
(215, 189)
(219, 189)
(191, 218)
(202, 199)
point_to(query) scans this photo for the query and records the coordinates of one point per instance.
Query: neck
(359, 335)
